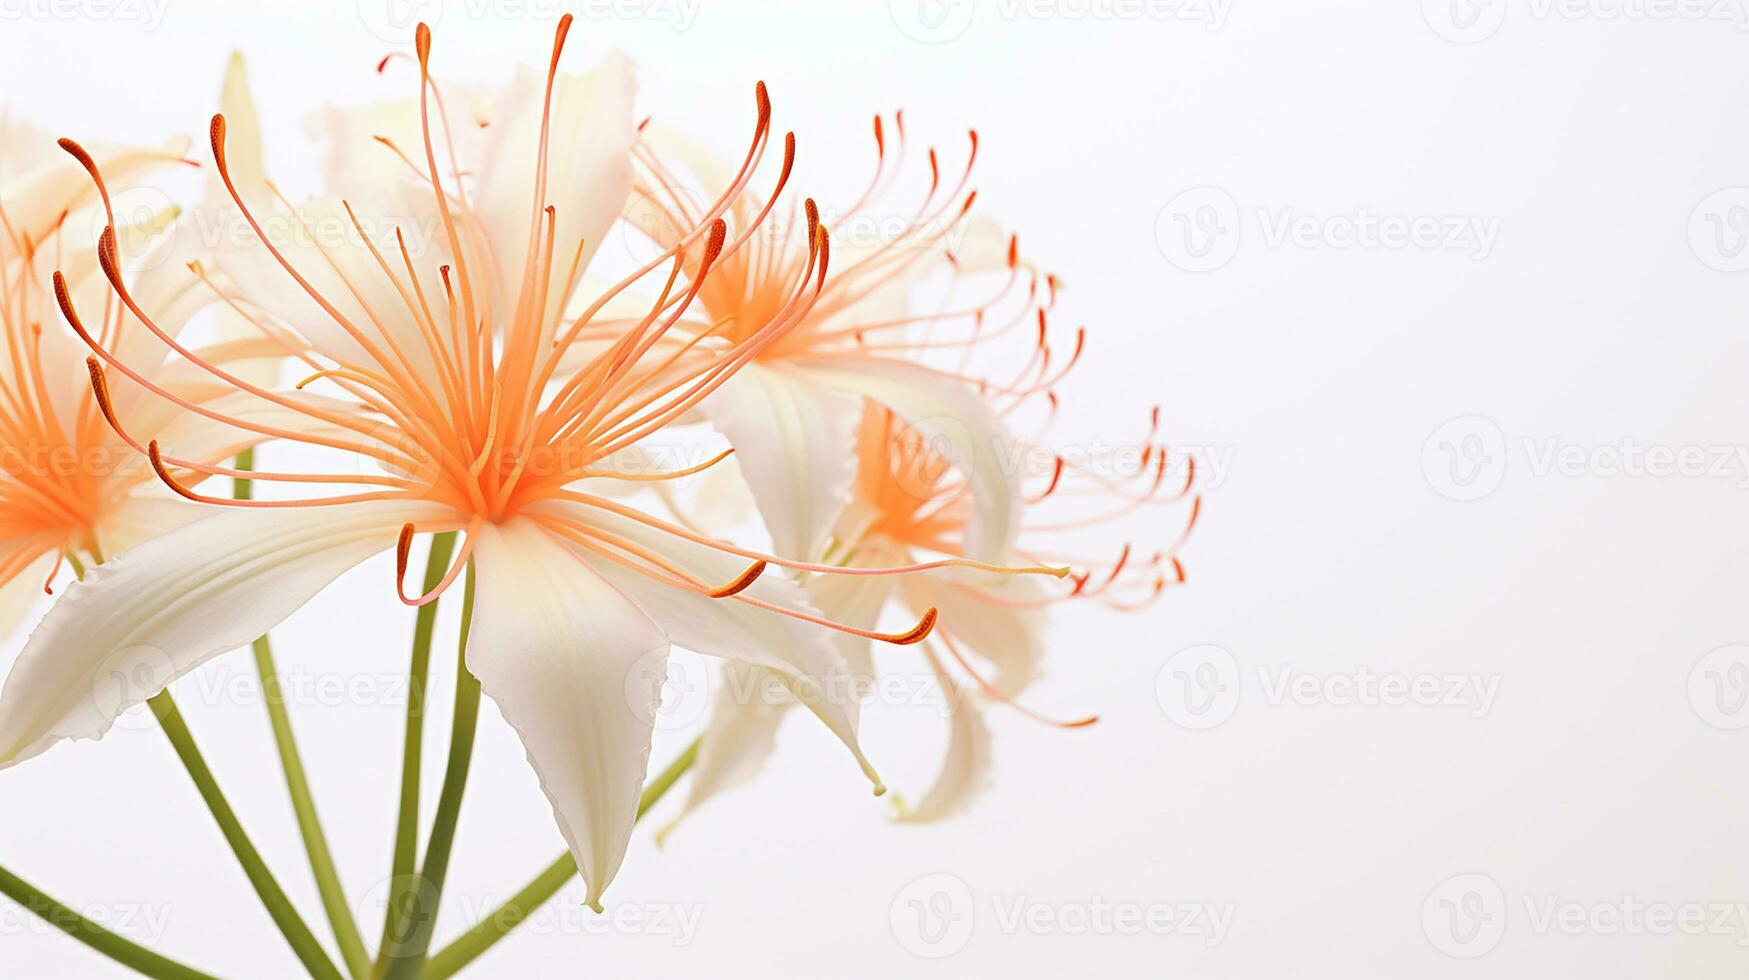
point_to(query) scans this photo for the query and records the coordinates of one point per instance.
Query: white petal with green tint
(152, 614)
(576, 668)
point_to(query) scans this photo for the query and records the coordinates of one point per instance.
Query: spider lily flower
(68, 484)
(908, 503)
(446, 376)
(789, 414)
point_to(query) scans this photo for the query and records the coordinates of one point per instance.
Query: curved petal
(858, 601)
(588, 169)
(965, 771)
(146, 617)
(149, 513)
(21, 592)
(792, 436)
(957, 423)
(738, 738)
(801, 653)
(576, 668)
(1008, 637)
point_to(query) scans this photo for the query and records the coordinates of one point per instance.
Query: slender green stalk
(124, 951)
(290, 924)
(489, 930)
(327, 876)
(404, 963)
(403, 881)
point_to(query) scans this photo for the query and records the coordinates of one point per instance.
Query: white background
(1599, 319)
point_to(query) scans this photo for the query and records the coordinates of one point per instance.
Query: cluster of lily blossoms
(491, 391)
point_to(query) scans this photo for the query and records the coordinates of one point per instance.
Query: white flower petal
(738, 738)
(588, 168)
(958, 424)
(965, 771)
(146, 617)
(152, 512)
(21, 592)
(802, 653)
(576, 668)
(793, 439)
(1009, 638)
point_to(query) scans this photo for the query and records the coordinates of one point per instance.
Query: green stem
(495, 926)
(124, 951)
(327, 876)
(403, 882)
(290, 924)
(405, 962)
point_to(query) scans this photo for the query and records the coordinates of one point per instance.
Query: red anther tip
(157, 461)
(642, 123)
(216, 137)
(383, 65)
(403, 548)
(741, 582)
(714, 247)
(825, 256)
(763, 98)
(422, 43)
(106, 255)
(918, 633)
(1013, 251)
